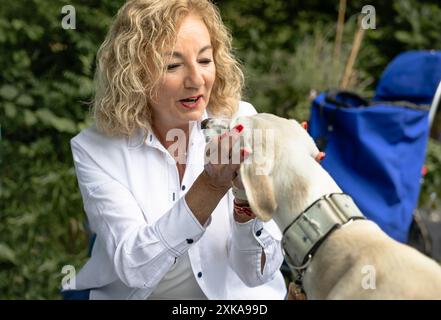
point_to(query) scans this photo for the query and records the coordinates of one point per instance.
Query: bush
(46, 82)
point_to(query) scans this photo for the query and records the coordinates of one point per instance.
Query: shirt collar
(152, 141)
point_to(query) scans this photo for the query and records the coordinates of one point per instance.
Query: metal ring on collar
(302, 267)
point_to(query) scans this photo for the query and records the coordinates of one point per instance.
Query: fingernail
(239, 128)
(244, 153)
(304, 124)
(321, 155)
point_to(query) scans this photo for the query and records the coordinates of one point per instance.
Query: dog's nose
(204, 123)
(212, 127)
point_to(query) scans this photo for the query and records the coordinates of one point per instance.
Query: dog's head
(277, 171)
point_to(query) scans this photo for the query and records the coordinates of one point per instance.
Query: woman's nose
(193, 78)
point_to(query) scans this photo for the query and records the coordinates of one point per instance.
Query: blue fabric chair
(412, 76)
(376, 149)
(75, 294)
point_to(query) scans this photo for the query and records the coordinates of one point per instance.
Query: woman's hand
(239, 190)
(222, 159)
(222, 168)
(222, 164)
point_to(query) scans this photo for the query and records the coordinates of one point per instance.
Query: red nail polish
(304, 124)
(320, 156)
(239, 128)
(244, 153)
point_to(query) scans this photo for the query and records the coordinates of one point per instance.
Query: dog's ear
(256, 170)
(259, 189)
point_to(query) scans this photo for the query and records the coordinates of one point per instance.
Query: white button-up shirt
(135, 205)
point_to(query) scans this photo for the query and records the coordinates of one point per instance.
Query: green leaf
(21, 58)
(7, 254)
(8, 92)
(64, 125)
(35, 32)
(48, 266)
(61, 124)
(17, 24)
(403, 36)
(29, 118)
(10, 110)
(45, 115)
(25, 100)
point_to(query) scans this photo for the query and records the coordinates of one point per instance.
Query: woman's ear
(259, 189)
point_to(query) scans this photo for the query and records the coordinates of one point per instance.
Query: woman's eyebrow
(177, 54)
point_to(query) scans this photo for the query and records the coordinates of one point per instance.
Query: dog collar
(305, 234)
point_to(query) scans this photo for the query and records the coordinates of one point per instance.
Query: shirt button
(258, 233)
(189, 241)
(183, 187)
(199, 274)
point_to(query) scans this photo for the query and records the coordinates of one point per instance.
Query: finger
(216, 147)
(244, 154)
(235, 133)
(212, 151)
(224, 148)
(320, 156)
(237, 181)
(236, 142)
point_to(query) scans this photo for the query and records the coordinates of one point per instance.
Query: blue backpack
(375, 149)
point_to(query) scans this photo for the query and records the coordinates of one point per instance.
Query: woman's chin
(194, 114)
(195, 117)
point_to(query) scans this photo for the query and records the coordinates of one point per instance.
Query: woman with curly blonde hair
(166, 223)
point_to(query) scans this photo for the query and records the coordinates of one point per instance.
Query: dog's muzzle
(212, 127)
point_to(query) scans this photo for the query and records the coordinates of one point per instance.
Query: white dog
(342, 255)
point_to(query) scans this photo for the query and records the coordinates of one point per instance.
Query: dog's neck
(314, 184)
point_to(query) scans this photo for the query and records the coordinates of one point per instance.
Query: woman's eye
(172, 66)
(205, 61)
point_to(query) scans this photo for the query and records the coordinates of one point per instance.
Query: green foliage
(46, 83)
(423, 20)
(431, 186)
(285, 87)
(287, 46)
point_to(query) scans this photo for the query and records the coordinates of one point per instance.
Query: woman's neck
(164, 130)
(174, 139)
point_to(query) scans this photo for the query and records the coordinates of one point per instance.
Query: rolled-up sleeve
(142, 253)
(245, 251)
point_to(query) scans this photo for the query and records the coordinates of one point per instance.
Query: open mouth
(191, 102)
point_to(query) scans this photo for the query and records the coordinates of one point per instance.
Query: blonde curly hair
(130, 63)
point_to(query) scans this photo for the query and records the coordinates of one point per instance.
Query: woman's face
(184, 92)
